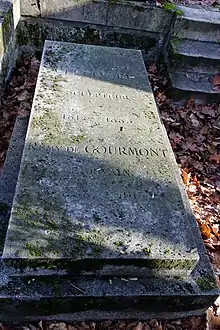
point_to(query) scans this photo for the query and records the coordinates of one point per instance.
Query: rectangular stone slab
(76, 10)
(98, 188)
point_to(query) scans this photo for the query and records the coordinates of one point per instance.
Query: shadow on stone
(74, 219)
(99, 198)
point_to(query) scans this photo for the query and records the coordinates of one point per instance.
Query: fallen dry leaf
(212, 320)
(215, 158)
(205, 230)
(139, 326)
(216, 82)
(186, 177)
(159, 3)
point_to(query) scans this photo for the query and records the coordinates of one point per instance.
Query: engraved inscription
(127, 151)
(84, 118)
(96, 74)
(111, 150)
(116, 172)
(52, 148)
(101, 95)
(120, 121)
(73, 117)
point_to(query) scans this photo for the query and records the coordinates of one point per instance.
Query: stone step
(103, 298)
(186, 84)
(194, 56)
(198, 24)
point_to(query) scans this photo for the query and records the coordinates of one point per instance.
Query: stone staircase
(194, 53)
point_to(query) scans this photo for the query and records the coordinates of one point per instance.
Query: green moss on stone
(59, 79)
(33, 250)
(31, 34)
(169, 6)
(35, 216)
(1, 43)
(6, 33)
(119, 243)
(175, 41)
(206, 283)
(7, 22)
(147, 251)
(55, 133)
(53, 57)
(92, 240)
(21, 37)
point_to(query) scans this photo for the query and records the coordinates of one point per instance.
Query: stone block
(188, 84)
(200, 14)
(34, 31)
(138, 16)
(6, 29)
(197, 24)
(9, 16)
(30, 8)
(10, 174)
(98, 189)
(147, 42)
(194, 56)
(76, 10)
(87, 298)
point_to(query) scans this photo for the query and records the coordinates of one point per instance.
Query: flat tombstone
(98, 187)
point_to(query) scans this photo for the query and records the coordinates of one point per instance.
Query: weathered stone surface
(197, 24)
(193, 83)
(147, 42)
(194, 56)
(98, 298)
(138, 16)
(10, 175)
(76, 10)
(9, 16)
(6, 27)
(34, 31)
(83, 297)
(30, 8)
(200, 14)
(98, 180)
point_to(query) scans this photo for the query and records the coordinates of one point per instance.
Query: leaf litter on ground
(205, 3)
(195, 139)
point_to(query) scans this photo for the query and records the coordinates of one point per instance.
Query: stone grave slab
(98, 190)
